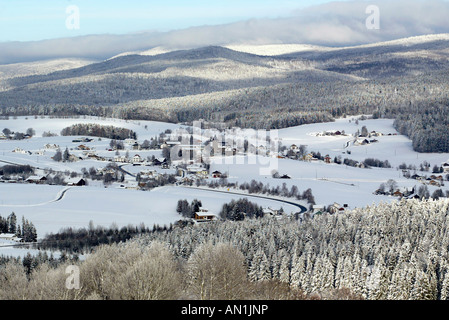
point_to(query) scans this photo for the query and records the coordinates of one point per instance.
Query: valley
(128, 200)
(303, 171)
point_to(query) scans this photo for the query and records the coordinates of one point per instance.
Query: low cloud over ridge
(331, 24)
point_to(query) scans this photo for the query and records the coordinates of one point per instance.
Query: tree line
(26, 231)
(389, 251)
(420, 114)
(258, 187)
(83, 240)
(96, 130)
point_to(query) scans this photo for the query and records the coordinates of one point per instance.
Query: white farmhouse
(19, 150)
(9, 237)
(137, 159)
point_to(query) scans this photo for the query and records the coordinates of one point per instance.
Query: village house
(148, 174)
(36, 179)
(262, 150)
(230, 151)
(159, 161)
(82, 147)
(203, 215)
(39, 152)
(197, 170)
(120, 159)
(434, 177)
(416, 177)
(135, 146)
(73, 158)
(96, 157)
(9, 237)
(216, 174)
(361, 142)
(219, 147)
(19, 150)
(337, 208)
(272, 212)
(318, 209)
(308, 157)
(434, 183)
(137, 160)
(398, 194)
(78, 182)
(375, 134)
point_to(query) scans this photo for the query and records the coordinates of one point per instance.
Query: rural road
(301, 207)
(60, 195)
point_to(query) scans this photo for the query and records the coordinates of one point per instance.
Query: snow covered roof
(7, 235)
(35, 178)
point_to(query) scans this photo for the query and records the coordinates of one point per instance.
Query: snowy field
(55, 125)
(146, 130)
(329, 182)
(394, 148)
(332, 182)
(107, 206)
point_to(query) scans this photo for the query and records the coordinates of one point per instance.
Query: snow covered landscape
(298, 157)
(121, 204)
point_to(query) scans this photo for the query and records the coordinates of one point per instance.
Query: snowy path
(301, 207)
(59, 196)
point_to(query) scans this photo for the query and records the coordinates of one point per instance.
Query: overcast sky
(44, 29)
(30, 20)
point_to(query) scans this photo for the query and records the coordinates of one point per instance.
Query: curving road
(59, 198)
(61, 195)
(301, 207)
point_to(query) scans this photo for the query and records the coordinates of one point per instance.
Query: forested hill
(407, 76)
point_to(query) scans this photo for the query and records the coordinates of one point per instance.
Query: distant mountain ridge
(243, 86)
(254, 55)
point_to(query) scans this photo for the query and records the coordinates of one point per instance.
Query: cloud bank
(330, 24)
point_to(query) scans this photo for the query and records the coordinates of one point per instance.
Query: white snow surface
(107, 206)
(104, 206)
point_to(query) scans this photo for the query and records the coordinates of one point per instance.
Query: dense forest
(389, 251)
(394, 251)
(250, 91)
(96, 130)
(420, 114)
(427, 125)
